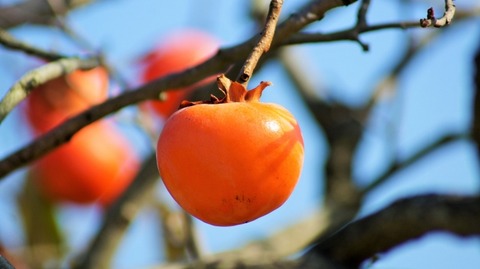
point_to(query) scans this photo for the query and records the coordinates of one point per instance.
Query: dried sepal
(233, 91)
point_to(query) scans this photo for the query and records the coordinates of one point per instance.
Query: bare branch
(362, 22)
(423, 152)
(263, 44)
(233, 264)
(404, 220)
(118, 218)
(349, 34)
(193, 245)
(279, 245)
(445, 20)
(5, 264)
(362, 27)
(475, 128)
(37, 12)
(400, 222)
(39, 76)
(343, 129)
(7, 40)
(62, 65)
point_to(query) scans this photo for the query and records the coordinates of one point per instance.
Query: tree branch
(343, 128)
(400, 222)
(362, 22)
(263, 44)
(39, 76)
(118, 218)
(404, 220)
(348, 34)
(37, 12)
(9, 41)
(475, 128)
(4, 264)
(363, 27)
(423, 152)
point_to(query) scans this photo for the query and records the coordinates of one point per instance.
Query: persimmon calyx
(233, 91)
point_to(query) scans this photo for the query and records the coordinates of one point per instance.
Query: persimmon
(179, 51)
(232, 160)
(97, 164)
(52, 102)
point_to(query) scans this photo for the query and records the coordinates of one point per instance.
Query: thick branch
(263, 44)
(400, 222)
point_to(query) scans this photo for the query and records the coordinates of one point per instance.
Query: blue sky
(433, 96)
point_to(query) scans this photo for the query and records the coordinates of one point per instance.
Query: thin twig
(39, 76)
(36, 12)
(263, 44)
(423, 152)
(9, 41)
(84, 43)
(62, 24)
(348, 34)
(445, 20)
(362, 22)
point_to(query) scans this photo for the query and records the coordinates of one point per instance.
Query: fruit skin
(180, 50)
(98, 163)
(230, 163)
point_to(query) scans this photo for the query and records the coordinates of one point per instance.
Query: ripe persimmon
(52, 102)
(179, 51)
(97, 163)
(233, 160)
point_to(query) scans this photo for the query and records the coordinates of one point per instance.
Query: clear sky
(433, 96)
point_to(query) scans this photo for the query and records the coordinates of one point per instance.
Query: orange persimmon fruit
(50, 103)
(98, 163)
(179, 51)
(230, 161)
